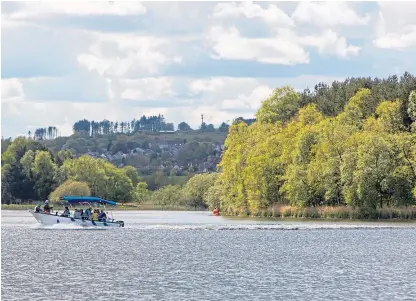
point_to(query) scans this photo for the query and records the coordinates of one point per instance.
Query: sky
(65, 61)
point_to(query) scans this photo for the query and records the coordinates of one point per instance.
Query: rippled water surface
(185, 256)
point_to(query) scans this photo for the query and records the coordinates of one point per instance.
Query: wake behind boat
(79, 217)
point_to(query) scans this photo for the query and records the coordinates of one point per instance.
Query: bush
(196, 188)
(169, 195)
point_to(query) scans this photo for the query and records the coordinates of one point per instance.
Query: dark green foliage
(331, 99)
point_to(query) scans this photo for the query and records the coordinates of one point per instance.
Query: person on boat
(87, 213)
(102, 217)
(216, 211)
(66, 213)
(77, 213)
(94, 216)
(46, 207)
(37, 208)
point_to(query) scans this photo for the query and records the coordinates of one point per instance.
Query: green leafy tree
(170, 195)
(70, 188)
(132, 173)
(196, 187)
(280, 106)
(141, 193)
(411, 110)
(183, 126)
(43, 172)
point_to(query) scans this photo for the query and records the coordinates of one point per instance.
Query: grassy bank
(326, 212)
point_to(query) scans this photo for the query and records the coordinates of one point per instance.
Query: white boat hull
(52, 219)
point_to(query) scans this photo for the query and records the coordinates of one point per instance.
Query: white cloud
(271, 15)
(46, 8)
(126, 54)
(211, 85)
(229, 44)
(328, 14)
(222, 87)
(150, 88)
(227, 93)
(397, 41)
(329, 42)
(250, 101)
(396, 26)
(286, 48)
(11, 90)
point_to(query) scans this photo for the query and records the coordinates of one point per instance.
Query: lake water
(196, 256)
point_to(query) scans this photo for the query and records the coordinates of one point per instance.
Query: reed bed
(328, 212)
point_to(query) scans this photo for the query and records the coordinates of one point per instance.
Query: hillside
(148, 144)
(147, 151)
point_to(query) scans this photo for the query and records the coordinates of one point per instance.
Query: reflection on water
(160, 256)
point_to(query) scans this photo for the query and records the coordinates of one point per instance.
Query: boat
(48, 218)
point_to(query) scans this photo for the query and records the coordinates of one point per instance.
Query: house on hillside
(167, 132)
(138, 150)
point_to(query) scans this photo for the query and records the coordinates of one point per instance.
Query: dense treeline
(51, 132)
(353, 143)
(144, 124)
(149, 124)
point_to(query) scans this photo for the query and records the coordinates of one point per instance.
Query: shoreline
(273, 214)
(144, 207)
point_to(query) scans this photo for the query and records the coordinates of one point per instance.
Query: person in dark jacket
(102, 217)
(46, 207)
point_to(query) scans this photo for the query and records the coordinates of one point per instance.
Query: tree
(70, 188)
(5, 144)
(141, 192)
(170, 195)
(82, 126)
(16, 184)
(27, 163)
(43, 172)
(411, 110)
(279, 107)
(131, 172)
(62, 156)
(169, 126)
(210, 128)
(389, 116)
(196, 187)
(183, 126)
(104, 179)
(213, 196)
(223, 127)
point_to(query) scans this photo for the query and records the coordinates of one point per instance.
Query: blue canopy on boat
(87, 199)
